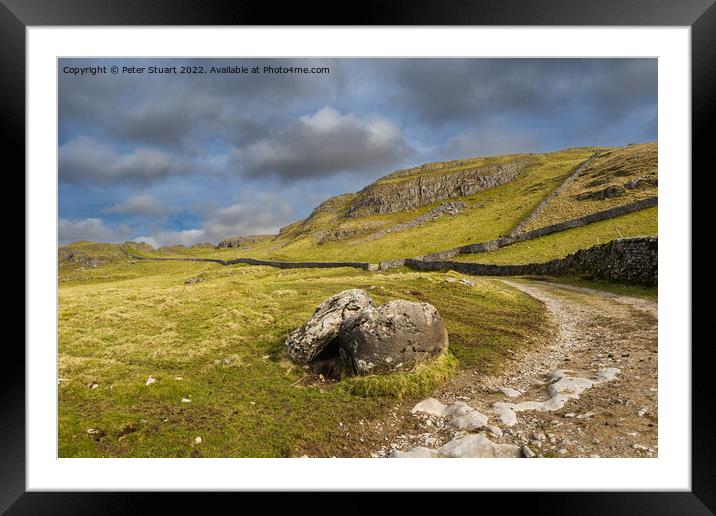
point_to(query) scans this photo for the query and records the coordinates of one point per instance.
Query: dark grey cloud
(185, 109)
(85, 160)
(325, 143)
(446, 90)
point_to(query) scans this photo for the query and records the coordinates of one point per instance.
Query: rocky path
(592, 392)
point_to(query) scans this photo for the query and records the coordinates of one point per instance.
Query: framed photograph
(273, 254)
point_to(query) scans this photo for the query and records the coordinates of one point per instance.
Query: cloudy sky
(188, 158)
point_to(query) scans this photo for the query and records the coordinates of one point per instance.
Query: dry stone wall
(491, 245)
(538, 209)
(631, 261)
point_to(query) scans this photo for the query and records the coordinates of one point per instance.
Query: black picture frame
(700, 15)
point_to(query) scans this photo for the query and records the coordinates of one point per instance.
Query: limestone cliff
(413, 188)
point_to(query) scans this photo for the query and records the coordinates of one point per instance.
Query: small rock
(476, 446)
(470, 421)
(429, 406)
(150, 380)
(527, 452)
(197, 440)
(185, 400)
(95, 433)
(642, 411)
(458, 408)
(510, 393)
(640, 447)
(416, 453)
(494, 430)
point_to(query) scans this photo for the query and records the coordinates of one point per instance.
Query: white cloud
(92, 229)
(260, 213)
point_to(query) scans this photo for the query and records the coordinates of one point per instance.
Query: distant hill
(438, 206)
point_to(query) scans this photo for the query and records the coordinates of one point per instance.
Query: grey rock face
(395, 336)
(451, 208)
(412, 188)
(307, 342)
(242, 241)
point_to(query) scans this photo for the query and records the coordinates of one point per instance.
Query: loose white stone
(185, 400)
(470, 421)
(459, 408)
(527, 452)
(607, 374)
(494, 430)
(429, 406)
(198, 440)
(416, 453)
(150, 380)
(509, 392)
(477, 446)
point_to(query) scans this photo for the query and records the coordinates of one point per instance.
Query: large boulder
(395, 336)
(306, 343)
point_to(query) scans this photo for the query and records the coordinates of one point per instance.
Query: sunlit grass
(219, 344)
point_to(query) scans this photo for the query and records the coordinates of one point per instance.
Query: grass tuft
(421, 381)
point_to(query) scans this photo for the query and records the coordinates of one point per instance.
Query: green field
(557, 245)
(613, 168)
(219, 343)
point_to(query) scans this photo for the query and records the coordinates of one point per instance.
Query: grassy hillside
(488, 215)
(219, 343)
(617, 177)
(560, 244)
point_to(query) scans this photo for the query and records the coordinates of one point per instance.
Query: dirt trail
(596, 332)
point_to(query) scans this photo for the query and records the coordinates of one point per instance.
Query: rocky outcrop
(599, 195)
(85, 260)
(350, 331)
(451, 209)
(242, 241)
(395, 336)
(307, 342)
(405, 192)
